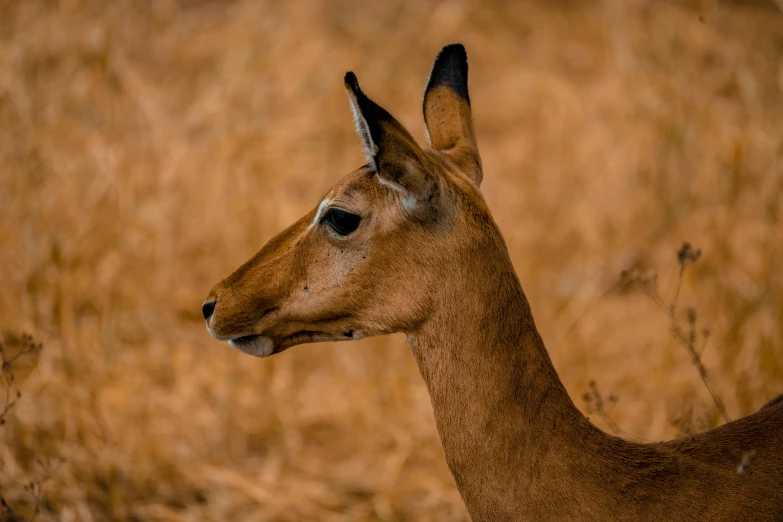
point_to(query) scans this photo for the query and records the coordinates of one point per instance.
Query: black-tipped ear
(451, 70)
(399, 161)
(447, 111)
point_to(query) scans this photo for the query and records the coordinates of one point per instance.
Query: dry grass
(147, 148)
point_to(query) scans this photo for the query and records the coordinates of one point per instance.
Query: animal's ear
(447, 111)
(399, 161)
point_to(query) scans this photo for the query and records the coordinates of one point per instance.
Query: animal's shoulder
(776, 402)
(752, 443)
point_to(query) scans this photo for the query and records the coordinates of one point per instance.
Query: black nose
(208, 308)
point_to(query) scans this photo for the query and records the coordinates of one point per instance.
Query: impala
(406, 243)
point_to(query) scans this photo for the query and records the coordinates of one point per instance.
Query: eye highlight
(341, 221)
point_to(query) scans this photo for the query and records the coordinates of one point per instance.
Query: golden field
(147, 148)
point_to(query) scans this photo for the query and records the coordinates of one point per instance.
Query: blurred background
(147, 148)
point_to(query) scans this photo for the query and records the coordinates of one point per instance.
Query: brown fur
(429, 260)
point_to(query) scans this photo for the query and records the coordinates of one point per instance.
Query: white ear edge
(363, 130)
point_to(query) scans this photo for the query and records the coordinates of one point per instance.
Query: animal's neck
(506, 422)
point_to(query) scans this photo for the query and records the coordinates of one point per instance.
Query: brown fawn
(406, 243)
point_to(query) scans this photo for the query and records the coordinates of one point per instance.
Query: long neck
(510, 432)
(520, 450)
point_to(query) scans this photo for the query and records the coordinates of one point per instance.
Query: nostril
(208, 308)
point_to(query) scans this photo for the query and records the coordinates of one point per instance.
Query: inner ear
(447, 111)
(399, 161)
(362, 127)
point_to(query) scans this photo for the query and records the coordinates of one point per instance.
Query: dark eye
(341, 221)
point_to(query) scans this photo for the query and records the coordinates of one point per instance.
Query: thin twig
(689, 344)
(673, 307)
(647, 284)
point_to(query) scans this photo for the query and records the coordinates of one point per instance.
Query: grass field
(147, 148)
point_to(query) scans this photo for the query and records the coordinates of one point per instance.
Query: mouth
(262, 346)
(256, 345)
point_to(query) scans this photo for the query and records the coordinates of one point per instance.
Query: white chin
(258, 346)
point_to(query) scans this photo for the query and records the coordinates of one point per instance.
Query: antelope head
(370, 258)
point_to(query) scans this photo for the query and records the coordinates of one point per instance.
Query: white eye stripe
(318, 214)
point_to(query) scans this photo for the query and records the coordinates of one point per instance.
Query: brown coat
(407, 244)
